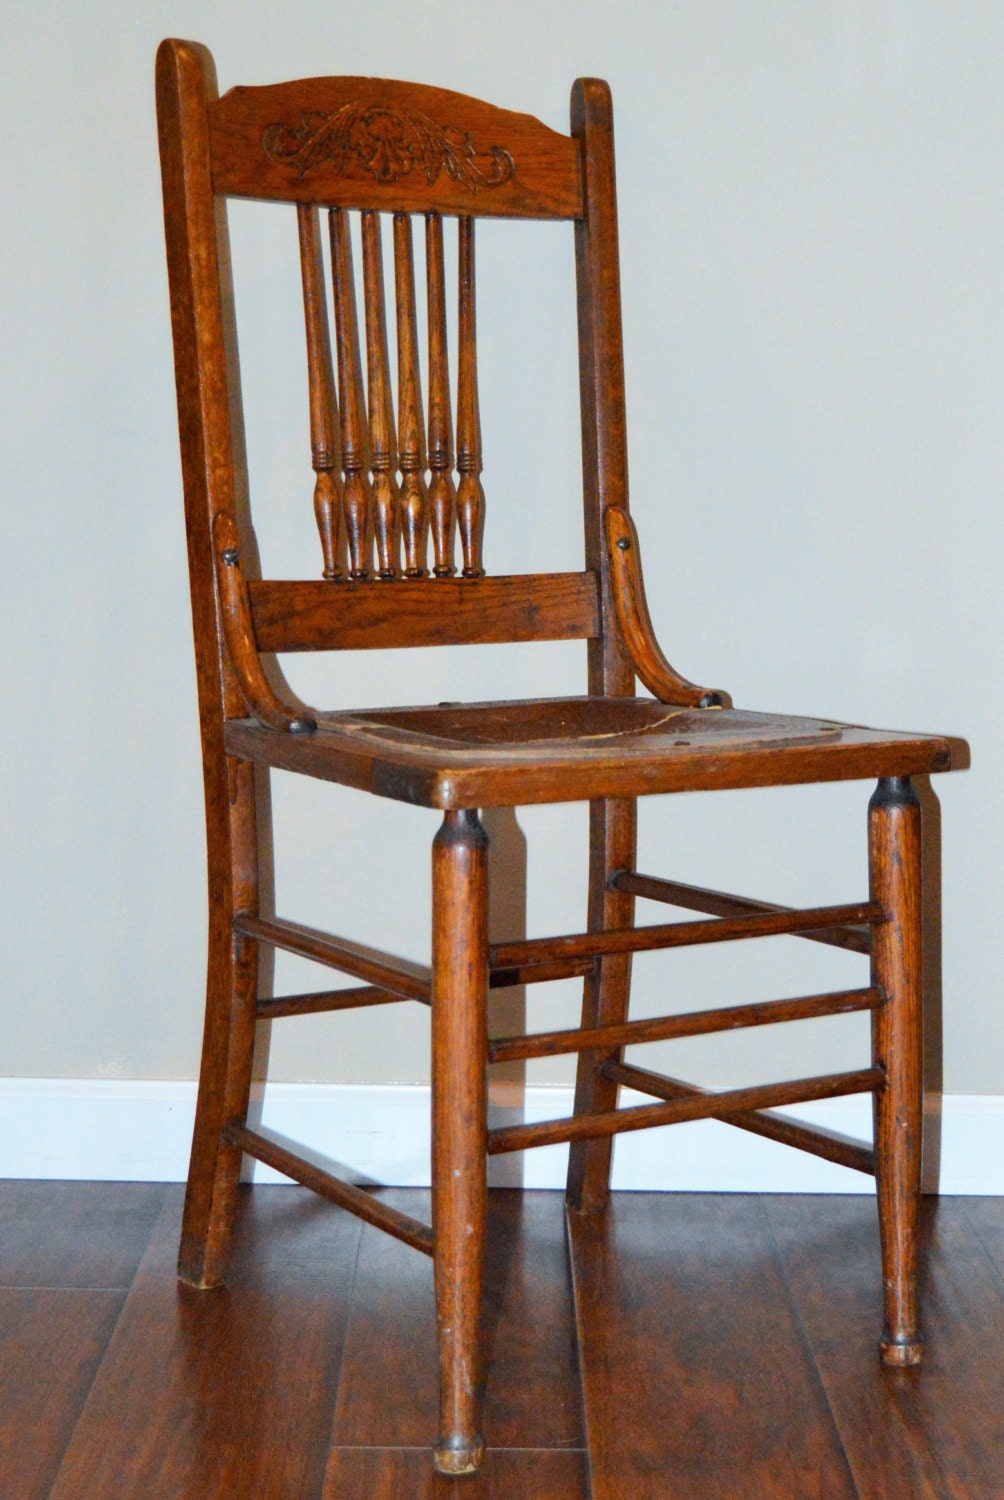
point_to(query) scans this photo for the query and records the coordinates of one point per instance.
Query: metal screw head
(231, 556)
(624, 542)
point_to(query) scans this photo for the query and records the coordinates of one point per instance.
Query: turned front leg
(459, 1127)
(897, 1039)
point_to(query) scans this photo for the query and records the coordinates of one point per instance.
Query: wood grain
(75, 1234)
(325, 440)
(410, 413)
(52, 1343)
(470, 494)
(695, 1023)
(292, 616)
(206, 1395)
(442, 488)
(721, 904)
(532, 1396)
(544, 181)
(695, 1375)
(897, 1048)
(509, 1474)
(459, 1129)
(681, 934)
(930, 1432)
(689, 1107)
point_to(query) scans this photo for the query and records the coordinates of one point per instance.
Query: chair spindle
(355, 455)
(325, 446)
(470, 494)
(410, 417)
(442, 490)
(381, 410)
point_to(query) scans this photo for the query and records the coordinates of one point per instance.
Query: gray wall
(811, 215)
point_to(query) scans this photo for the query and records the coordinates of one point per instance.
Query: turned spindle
(355, 455)
(325, 447)
(470, 494)
(442, 491)
(381, 411)
(413, 504)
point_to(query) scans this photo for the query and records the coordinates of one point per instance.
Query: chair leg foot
(455, 1456)
(900, 1352)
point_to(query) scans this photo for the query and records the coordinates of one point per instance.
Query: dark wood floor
(725, 1351)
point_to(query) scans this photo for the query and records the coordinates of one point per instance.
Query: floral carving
(389, 143)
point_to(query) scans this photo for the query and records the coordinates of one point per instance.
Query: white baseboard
(140, 1131)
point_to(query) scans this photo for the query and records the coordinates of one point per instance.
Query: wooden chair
(382, 489)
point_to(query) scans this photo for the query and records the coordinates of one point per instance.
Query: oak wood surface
(771, 1306)
(346, 1194)
(697, 1023)
(459, 1129)
(931, 1432)
(690, 1107)
(695, 1376)
(307, 616)
(379, 146)
(510, 1474)
(162, 1421)
(541, 178)
(702, 750)
(897, 1048)
(52, 1341)
(721, 904)
(681, 934)
(774, 1127)
(75, 1234)
(532, 1399)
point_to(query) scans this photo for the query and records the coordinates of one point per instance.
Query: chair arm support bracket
(262, 701)
(636, 624)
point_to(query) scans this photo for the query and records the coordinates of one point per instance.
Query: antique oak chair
(384, 490)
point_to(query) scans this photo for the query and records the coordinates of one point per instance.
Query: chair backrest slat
(355, 446)
(410, 413)
(381, 411)
(442, 490)
(325, 443)
(470, 492)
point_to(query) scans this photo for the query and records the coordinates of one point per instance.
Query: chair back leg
(229, 1036)
(894, 846)
(459, 1127)
(612, 840)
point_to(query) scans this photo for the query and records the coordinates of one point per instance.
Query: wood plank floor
(716, 1347)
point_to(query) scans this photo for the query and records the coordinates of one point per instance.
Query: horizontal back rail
(377, 143)
(316, 616)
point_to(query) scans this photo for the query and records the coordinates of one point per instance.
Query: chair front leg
(229, 1035)
(459, 1128)
(894, 846)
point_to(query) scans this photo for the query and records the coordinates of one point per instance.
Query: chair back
(399, 504)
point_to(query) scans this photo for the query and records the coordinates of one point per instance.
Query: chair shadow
(507, 862)
(934, 1074)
